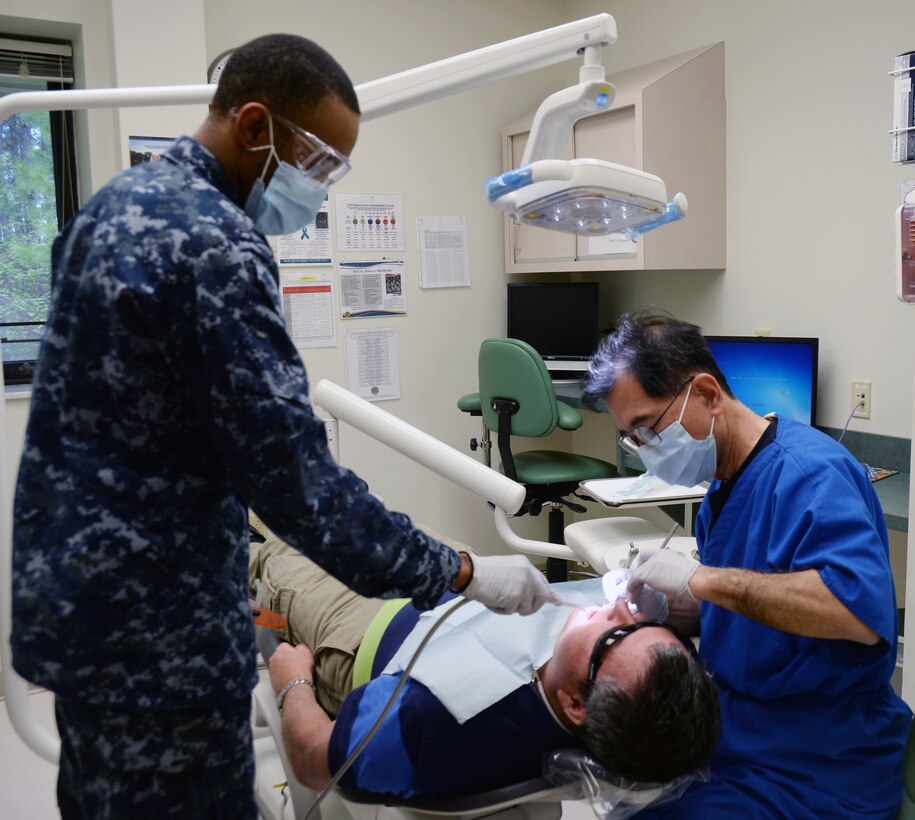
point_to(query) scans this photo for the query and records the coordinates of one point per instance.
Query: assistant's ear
(707, 388)
(572, 705)
(252, 125)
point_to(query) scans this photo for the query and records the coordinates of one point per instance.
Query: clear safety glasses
(314, 157)
(647, 436)
(615, 635)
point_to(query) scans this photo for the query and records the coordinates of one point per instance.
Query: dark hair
(660, 351)
(287, 73)
(667, 728)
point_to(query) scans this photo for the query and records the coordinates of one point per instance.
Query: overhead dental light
(587, 197)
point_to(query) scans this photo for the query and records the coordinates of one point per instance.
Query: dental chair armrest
(569, 417)
(470, 404)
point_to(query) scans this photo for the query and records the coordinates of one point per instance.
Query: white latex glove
(508, 584)
(650, 602)
(667, 570)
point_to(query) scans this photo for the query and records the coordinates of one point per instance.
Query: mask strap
(270, 147)
(683, 409)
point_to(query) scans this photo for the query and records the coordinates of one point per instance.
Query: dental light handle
(439, 457)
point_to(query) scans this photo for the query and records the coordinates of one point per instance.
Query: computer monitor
(559, 320)
(771, 374)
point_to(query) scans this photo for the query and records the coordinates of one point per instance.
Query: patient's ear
(572, 705)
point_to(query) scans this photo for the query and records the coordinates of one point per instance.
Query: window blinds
(29, 59)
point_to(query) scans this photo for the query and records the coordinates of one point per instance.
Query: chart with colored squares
(370, 222)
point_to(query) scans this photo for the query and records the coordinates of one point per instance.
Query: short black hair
(660, 351)
(287, 73)
(667, 728)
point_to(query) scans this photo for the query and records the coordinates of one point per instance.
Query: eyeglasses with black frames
(613, 636)
(646, 436)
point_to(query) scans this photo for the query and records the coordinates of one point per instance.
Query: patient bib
(477, 657)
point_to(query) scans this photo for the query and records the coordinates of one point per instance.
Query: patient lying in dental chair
(491, 695)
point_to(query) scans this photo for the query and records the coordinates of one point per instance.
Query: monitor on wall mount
(771, 374)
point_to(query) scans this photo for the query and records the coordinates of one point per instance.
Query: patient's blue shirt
(168, 399)
(421, 749)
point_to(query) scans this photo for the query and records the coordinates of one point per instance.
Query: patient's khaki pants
(322, 613)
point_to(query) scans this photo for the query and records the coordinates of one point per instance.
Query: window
(37, 196)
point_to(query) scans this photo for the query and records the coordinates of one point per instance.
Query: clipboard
(640, 491)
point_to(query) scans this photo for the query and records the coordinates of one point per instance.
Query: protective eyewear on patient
(647, 436)
(615, 635)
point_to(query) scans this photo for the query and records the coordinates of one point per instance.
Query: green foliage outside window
(28, 225)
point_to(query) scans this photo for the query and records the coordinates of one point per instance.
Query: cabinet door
(612, 137)
(527, 245)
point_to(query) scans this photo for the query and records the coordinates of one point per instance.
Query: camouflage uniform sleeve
(251, 382)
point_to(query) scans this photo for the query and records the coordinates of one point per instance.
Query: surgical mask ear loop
(384, 712)
(271, 148)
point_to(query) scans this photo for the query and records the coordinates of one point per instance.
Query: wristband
(282, 695)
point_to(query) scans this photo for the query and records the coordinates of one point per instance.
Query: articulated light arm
(377, 98)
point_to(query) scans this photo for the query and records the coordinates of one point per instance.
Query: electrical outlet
(861, 391)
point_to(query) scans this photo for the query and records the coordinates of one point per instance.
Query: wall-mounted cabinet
(668, 118)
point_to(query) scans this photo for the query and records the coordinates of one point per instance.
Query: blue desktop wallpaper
(769, 377)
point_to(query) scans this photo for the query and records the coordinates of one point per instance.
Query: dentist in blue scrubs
(793, 598)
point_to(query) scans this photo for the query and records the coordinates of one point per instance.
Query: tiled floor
(27, 782)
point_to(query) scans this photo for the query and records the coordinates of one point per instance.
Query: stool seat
(557, 467)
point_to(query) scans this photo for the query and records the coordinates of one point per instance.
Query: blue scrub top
(810, 727)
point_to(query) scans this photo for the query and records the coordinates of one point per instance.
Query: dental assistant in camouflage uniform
(168, 400)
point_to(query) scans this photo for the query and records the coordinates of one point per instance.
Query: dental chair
(516, 398)
(279, 796)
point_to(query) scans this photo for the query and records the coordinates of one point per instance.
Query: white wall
(811, 188)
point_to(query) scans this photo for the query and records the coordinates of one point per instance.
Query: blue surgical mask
(678, 458)
(289, 201)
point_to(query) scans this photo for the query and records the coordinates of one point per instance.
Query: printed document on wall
(369, 222)
(310, 244)
(373, 363)
(372, 288)
(443, 258)
(308, 307)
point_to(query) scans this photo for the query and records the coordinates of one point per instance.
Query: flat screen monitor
(559, 320)
(771, 374)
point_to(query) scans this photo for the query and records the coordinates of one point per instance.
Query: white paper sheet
(308, 307)
(372, 288)
(310, 245)
(369, 222)
(373, 363)
(443, 257)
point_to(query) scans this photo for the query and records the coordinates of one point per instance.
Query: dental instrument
(669, 535)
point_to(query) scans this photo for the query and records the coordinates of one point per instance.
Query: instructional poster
(369, 222)
(372, 288)
(308, 307)
(373, 363)
(310, 244)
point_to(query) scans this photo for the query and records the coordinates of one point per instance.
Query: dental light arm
(452, 464)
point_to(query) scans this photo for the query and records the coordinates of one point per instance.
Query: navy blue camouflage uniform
(169, 398)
